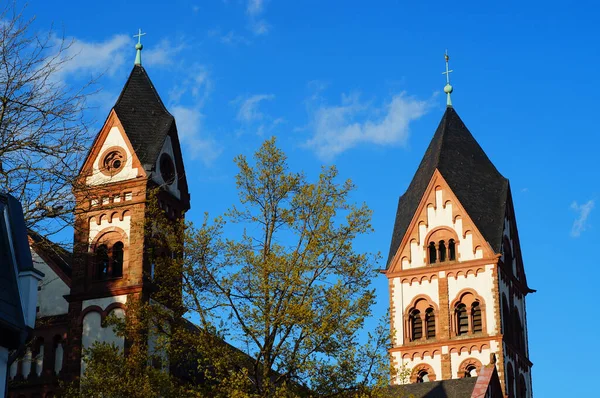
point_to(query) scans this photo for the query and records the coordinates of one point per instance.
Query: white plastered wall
(434, 361)
(92, 324)
(157, 176)
(50, 298)
(482, 284)
(403, 294)
(96, 228)
(440, 216)
(114, 138)
(483, 356)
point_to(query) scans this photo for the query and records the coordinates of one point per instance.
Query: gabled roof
(479, 187)
(13, 247)
(57, 257)
(144, 117)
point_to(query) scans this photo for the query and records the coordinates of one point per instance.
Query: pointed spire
(138, 47)
(448, 88)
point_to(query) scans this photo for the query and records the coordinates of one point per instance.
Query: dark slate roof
(13, 240)
(479, 187)
(144, 117)
(454, 388)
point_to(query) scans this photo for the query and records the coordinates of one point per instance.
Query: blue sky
(359, 84)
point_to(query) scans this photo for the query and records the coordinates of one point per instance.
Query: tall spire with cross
(448, 88)
(138, 47)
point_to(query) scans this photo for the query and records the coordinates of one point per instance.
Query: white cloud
(164, 53)
(231, 38)
(189, 123)
(197, 82)
(249, 111)
(255, 9)
(337, 128)
(83, 57)
(580, 224)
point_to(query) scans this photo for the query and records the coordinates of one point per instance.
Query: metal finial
(448, 88)
(138, 47)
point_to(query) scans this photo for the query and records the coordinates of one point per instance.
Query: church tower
(456, 278)
(136, 151)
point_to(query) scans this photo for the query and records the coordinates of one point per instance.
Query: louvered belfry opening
(476, 316)
(462, 318)
(417, 325)
(430, 323)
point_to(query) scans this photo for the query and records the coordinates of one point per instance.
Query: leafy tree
(291, 292)
(293, 289)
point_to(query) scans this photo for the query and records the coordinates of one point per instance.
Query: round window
(167, 169)
(112, 161)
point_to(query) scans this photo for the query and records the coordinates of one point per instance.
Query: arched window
(442, 247)
(432, 253)
(423, 377)
(469, 314)
(117, 257)
(476, 317)
(522, 387)
(430, 323)
(519, 336)
(471, 371)
(451, 250)
(416, 325)
(508, 258)
(102, 261)
(506, 319)
(510, 380)
(462, 319)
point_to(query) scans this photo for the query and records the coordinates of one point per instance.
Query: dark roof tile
(144, 117)
(454, 388)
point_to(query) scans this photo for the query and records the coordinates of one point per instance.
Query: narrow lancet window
(462, 319)
(102, 261)
(442, 251)
(430, 323)
(432, 253)
(417, 325)
(451, 250)
(117, 256)
(476, 317)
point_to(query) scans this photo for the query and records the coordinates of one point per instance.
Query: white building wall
(96, 228)
(104, 301)
(483, 356)
(114, 138)
(434, 361)
(50, 299)
(440, 215)
(483, 284)
(94, 332)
